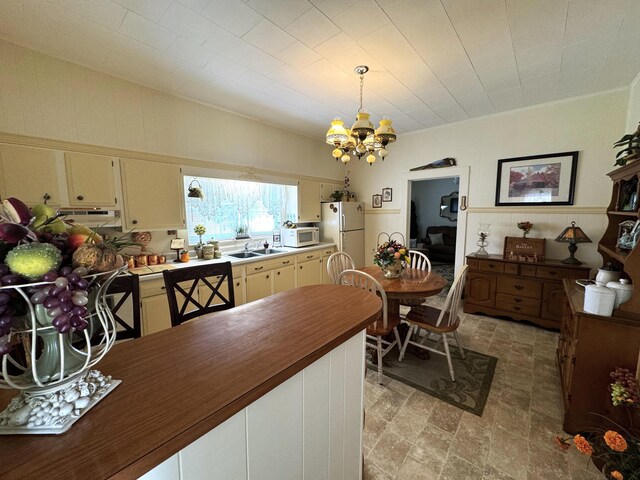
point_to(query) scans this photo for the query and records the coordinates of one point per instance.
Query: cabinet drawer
(503, 299)
(489, 266)
(552, 273)
(328, 251)
(473, 264)
(532, 310)
(520, 287)
(511, 268)
(528, 270)
(312, 255)
(152, 288)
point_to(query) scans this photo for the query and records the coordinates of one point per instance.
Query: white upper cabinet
(31, 174)
(308, 201)
(91, 180)
(153, 195)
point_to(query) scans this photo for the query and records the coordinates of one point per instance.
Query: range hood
(93, 217)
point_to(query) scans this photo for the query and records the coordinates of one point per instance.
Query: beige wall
(589, 125)
(46, 97)
(633, 113)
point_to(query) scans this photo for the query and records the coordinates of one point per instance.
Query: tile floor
(410, 435)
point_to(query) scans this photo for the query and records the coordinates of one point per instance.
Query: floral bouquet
(619, 454)
(525, 227)
(390, 252)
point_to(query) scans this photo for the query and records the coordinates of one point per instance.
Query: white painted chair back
(363, 280)
(339, 262)
(449, 312)
(419, 261)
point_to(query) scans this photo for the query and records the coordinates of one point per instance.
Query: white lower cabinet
(307, 428)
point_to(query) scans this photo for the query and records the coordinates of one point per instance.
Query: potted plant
(242, 232)
(631, 152)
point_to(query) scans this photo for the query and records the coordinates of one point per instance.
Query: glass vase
(393, 270)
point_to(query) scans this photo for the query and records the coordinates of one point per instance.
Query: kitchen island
(272, 389)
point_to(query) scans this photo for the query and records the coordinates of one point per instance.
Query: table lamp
(573, 235)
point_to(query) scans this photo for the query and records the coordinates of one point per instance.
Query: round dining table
(412, 284)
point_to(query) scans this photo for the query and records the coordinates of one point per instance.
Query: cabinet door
(153, 194)
(308, 201)
(480, 289)
(239, 290)
(90, 180)
(259, 285)
(326, 189)
(284, 278)
(155, 314)
(309, 273)
(552, 300)
(29, 174)
(326, 279)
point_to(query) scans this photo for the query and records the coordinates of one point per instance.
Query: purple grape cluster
(7, 312)
(625, 389)
(65, 299)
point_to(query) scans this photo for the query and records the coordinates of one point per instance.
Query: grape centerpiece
(55, 322)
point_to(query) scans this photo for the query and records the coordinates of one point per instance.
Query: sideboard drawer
(473, 264)
(528, 270)
(520, 287)
(503, 299)
(489, 266)
(522, 309)
(552, 273)
(511, 268)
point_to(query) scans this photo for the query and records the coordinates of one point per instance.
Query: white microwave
(300, 237)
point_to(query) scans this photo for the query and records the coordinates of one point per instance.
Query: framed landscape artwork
(537, 180)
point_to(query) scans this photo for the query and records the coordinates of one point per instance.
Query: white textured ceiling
(290, 62)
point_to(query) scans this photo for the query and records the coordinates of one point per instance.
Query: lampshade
(337, 133)
(363, 126)
(572, 235)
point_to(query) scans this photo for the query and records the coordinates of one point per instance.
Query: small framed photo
(376, 201)
(387, 194)
(177, 243)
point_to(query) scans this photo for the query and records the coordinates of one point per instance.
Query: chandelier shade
(362, 139)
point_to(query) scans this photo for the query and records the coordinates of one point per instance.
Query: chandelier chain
(360, 110)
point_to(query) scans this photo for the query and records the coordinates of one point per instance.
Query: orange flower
(617, 475)
(582, 445)
(615, 441)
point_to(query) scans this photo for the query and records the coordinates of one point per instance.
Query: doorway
(426, 189)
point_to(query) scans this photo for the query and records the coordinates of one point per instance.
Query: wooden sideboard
(589, 348)
(522, 291)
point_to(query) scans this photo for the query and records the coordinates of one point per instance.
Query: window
(234, 206)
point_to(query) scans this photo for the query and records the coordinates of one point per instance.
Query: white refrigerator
(343, 224)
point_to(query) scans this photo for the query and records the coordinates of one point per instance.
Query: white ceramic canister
(605, 276)
(623, 290)
(599, 300)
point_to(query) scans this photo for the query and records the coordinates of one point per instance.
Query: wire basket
(47, 366)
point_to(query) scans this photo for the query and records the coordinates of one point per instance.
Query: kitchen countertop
(151, 275)
(180, 383)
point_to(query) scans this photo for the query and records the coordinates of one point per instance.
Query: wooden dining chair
(337, 263)
(123, 288)
(419, 261)
(195, 291)
(438, 321)
(380, 328)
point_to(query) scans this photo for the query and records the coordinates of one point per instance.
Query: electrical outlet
(172, 232)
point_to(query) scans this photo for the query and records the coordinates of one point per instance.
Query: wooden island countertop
(180, 383)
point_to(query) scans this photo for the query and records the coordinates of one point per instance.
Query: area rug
(446, 271)
(473, 376)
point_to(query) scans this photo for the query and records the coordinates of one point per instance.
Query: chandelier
(362, 139)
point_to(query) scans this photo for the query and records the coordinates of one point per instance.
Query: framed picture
(537, 180)
(387, 194)
(376, 201)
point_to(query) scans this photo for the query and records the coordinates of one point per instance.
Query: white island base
(307, 428)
